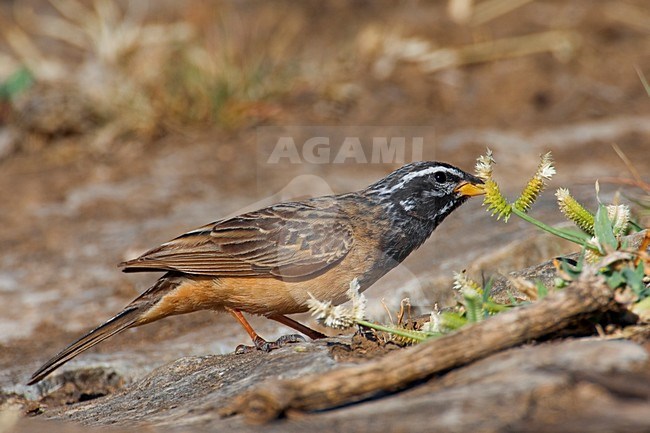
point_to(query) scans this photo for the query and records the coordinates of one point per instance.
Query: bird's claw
(266, 346)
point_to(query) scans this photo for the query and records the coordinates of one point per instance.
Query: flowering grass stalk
(575, 211)
(498, 205)
(536, 184)
(342, 317)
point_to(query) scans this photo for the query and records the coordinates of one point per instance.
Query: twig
(561, 43)
(643, 79)
(623, 181)
(398, 370)
(390, 316)
(491, 9)
(633, 171)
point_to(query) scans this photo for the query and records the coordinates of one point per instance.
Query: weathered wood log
(398, 370)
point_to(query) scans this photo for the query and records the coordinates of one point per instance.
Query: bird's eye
(440, 177)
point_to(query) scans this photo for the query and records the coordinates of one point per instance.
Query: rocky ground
(74, 206)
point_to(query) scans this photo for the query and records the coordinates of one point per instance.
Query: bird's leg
(314, 335)
(258, 342)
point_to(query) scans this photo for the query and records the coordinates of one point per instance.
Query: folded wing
(284, 241)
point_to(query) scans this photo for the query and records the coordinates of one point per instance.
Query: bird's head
(425, 190)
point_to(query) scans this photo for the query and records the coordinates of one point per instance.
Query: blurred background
(124, 124)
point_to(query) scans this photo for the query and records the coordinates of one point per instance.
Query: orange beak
(469, 189)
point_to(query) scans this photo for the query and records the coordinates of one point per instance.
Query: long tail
(118, 323)
(125, 319)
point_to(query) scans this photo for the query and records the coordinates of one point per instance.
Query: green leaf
(472, 309)
(604, 231)
(16, 83)
(487, 289)
(542, 291)
(578, 234)
(615, 279)
(491, 307)
(634, 278)
(636, 226)
(573, 271)
(570, 235)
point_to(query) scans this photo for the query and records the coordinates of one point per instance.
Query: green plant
(498, 205)
(474, 306)
(601, 235)
(16, 84)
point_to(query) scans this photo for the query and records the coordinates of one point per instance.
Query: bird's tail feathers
(124, 320)
(130, 316)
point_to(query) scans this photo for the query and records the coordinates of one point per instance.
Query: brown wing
(290, 240)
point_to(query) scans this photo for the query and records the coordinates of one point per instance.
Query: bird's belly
(267, 295)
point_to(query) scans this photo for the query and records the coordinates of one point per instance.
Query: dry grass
(466, 12)
(391, 49)
(141, 77)
(141, 69)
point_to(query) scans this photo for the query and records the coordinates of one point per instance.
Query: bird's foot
(266, 346)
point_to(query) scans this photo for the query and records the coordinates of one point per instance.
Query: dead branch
(398, 370)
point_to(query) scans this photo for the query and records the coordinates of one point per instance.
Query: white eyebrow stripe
(409, 177)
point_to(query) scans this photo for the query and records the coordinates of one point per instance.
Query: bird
(269, 262)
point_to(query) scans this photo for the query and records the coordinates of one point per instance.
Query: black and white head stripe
(414, 173)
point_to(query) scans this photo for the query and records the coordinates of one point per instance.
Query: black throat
(410, 229)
